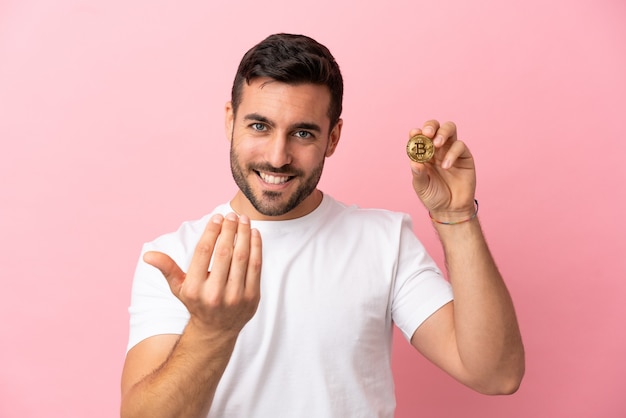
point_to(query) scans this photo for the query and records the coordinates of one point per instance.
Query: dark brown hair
(292, 59)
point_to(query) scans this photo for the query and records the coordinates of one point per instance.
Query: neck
(242, 206)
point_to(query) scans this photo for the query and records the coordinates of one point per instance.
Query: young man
(309, 333)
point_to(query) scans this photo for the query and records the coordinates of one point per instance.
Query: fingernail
(231, 217)
(244, 219)
(438, 140)
(428, 131)
(217, 219)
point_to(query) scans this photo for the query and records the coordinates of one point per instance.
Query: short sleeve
(153, 310)
(420, 288)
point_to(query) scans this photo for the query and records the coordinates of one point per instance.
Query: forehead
(276, 99)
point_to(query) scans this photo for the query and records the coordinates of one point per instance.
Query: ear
(333, 138)
(229, 120)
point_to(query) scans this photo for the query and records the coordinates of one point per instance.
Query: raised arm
(176, 376)
(476, 338)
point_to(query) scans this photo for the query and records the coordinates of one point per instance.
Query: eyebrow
(302, 125)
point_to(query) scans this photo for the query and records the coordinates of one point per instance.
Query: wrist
(454, 217)
(206, 336)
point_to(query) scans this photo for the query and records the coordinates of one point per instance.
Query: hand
(446, 184)
(223, 300)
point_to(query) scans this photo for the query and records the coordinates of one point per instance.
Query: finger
(253, 276)
(201, 259)
(414, 131)
(445, 134)
(222, 256)
(457, 150)
(168, 267)
(241, 254)
(430, 128)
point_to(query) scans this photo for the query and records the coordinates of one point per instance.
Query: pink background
(111, 133)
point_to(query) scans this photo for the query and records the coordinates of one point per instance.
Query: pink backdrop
(111, 133)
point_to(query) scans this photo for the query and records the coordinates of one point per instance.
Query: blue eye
(304, 134)
(257, 126)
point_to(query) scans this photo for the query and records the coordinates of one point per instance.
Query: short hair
(291, 59)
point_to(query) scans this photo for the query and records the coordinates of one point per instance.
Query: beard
(271, 203)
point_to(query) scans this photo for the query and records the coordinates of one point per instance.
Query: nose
(278, 152)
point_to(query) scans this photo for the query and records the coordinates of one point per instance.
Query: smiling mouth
(274, 178)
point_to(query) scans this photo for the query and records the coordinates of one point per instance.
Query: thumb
(168, 267)
(421, 179)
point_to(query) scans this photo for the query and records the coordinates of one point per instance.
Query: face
(280, 137)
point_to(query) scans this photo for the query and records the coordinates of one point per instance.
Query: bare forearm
(487, 334)
(184, 385)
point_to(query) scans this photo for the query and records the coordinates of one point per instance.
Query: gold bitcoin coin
(420, 148)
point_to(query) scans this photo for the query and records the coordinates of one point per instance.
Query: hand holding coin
(446, 182)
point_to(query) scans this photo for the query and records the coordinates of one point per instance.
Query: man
(309, 333)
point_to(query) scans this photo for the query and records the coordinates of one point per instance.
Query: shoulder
(359, 221)
(366, 216)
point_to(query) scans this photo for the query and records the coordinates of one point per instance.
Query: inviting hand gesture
(224, 299)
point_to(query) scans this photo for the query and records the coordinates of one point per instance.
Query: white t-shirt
(333, 284)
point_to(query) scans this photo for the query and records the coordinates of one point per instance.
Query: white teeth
(268, 178)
